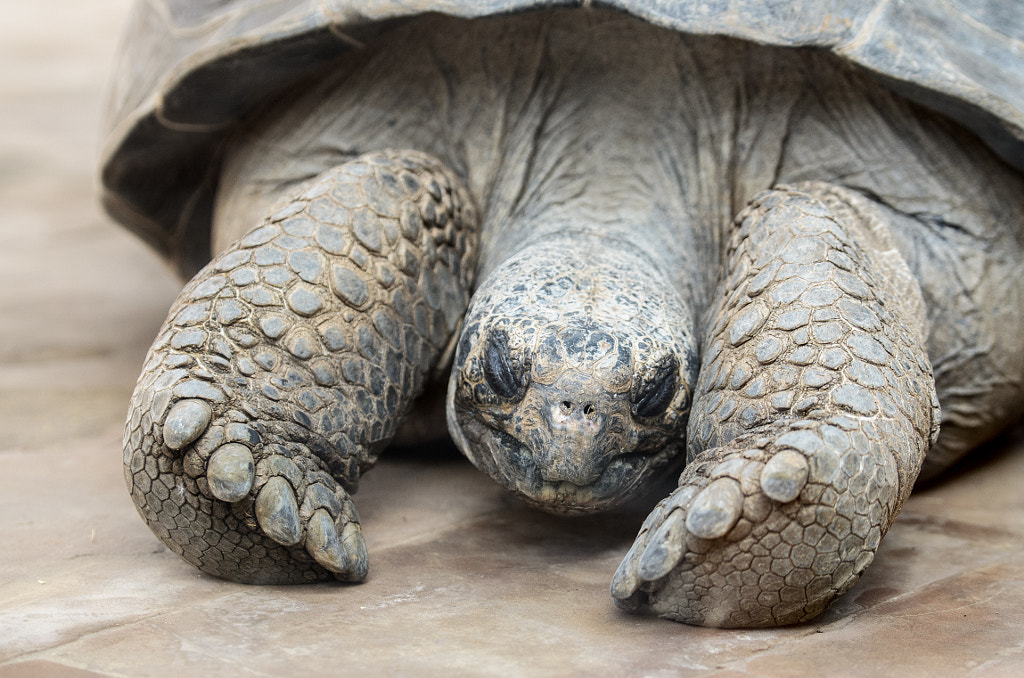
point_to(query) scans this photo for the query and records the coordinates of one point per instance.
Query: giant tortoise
(759, 244)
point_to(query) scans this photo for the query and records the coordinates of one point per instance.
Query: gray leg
(287, 364)
(814, 408)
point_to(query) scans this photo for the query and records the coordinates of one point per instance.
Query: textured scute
(190, 71)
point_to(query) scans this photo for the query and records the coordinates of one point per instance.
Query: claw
(278, 512)
(323, 544)
(715, 509)
(784, 476)
(229, 472)
(352, 538)
(186, 421)
(666, 548)
(345, 555)
(626, 582)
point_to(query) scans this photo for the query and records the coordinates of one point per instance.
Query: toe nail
(230, 472)
(715, 510)
(278, 513)
(345, 555)
(784, 476)
(625, 582)
(355, 546)
(625, 588)
(323, 544)
(666, 548)
(631, 603)
(185, 422)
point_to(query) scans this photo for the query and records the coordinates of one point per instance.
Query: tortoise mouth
(567, 498)
(511, 463)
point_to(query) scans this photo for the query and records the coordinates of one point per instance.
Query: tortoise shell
(189, 72)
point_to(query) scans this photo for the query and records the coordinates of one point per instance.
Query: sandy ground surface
(464, 581)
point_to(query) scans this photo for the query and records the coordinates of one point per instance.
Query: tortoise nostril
(568, 407)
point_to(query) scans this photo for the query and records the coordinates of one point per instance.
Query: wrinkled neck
(592, 211)
(609, 149)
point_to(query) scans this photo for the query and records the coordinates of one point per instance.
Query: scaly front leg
(815, 406)
(288, 363)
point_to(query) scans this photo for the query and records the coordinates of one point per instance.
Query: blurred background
(79, 300)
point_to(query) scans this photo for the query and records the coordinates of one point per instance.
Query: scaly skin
(287, 364)
(813, 411)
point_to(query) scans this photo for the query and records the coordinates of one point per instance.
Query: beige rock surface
(463, 582)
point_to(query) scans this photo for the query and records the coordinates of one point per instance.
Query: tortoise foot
(228, 478)
(764, 533)
(289, 362)
(813, 410)
(240, 497)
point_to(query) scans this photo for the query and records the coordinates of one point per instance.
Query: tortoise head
(571, 384)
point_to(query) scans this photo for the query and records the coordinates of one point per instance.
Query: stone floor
(463, 581)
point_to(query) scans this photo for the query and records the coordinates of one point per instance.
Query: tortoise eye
(653, 393)
(501, 371)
